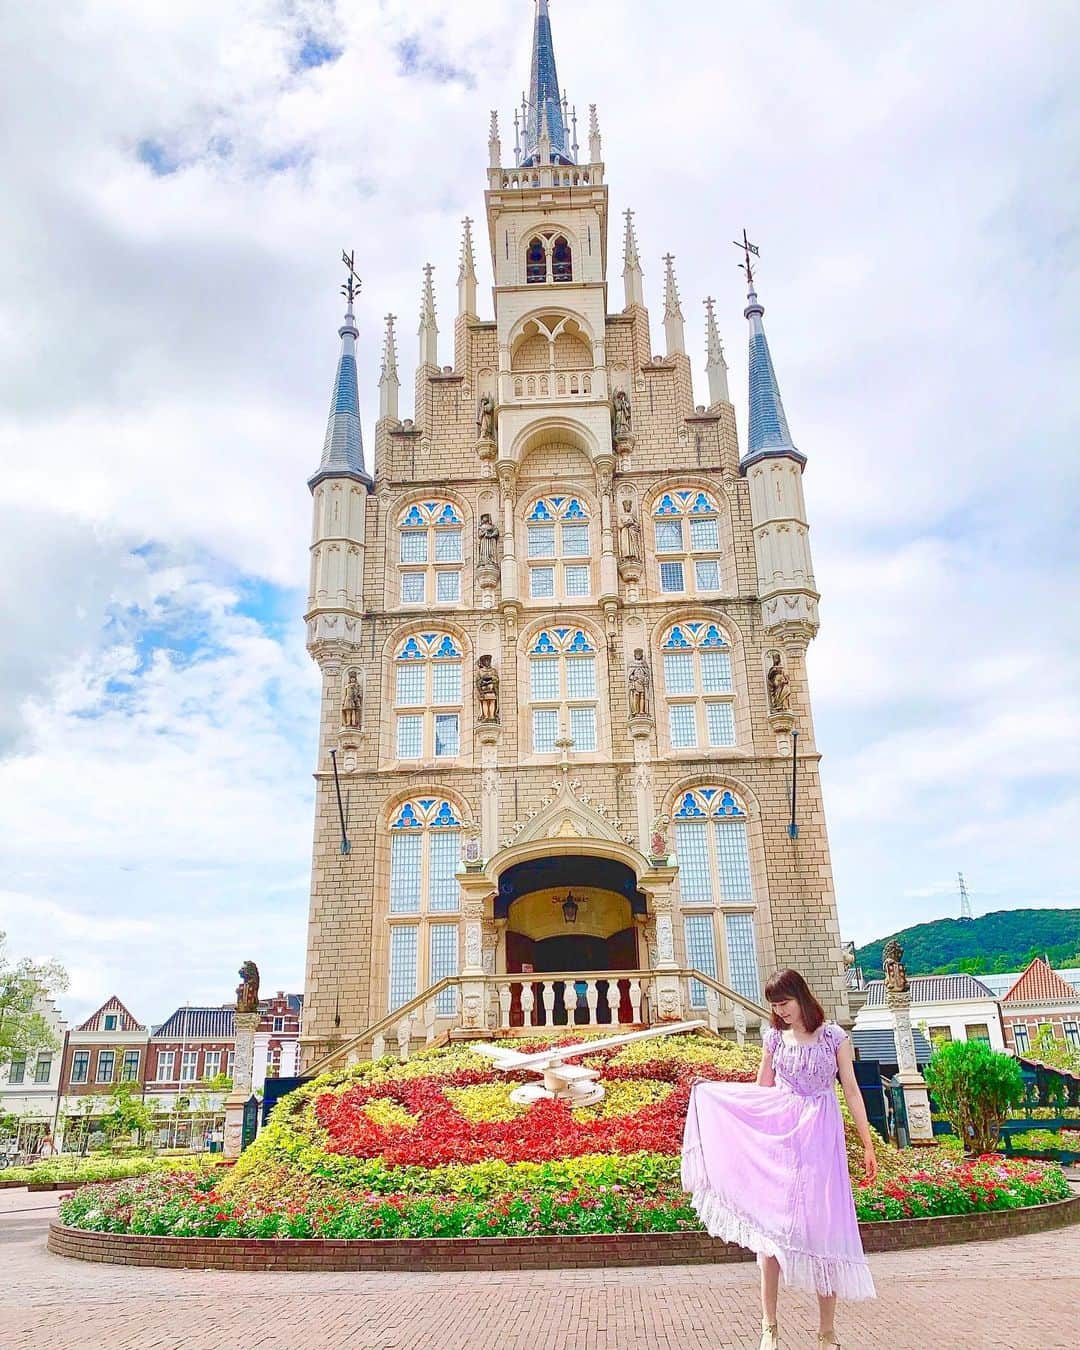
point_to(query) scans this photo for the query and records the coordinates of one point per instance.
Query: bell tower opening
(568, 915)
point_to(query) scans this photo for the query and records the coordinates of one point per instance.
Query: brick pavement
(1015, 1294)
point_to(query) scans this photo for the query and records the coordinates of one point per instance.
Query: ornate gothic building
(561, 623)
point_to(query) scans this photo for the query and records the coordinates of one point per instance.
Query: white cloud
(167, 343)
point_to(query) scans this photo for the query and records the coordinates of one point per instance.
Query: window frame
(80, 1060)
(1021, 1034)
(425, 706)
(43, 1062)
(16, 1071)
(434, 520)
(686, 507)
(691, 642)
(125, 1063)
(556, 647)
(436, 893)
(559, 515)
(165, 1069)
(110, 1057)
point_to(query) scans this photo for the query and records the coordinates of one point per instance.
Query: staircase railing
(548, 1000)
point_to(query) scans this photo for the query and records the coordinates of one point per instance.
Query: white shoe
(770, 1336)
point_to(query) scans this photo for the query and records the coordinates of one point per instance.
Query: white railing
(550, 1000)
(543, 384)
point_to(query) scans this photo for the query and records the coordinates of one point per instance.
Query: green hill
(988, 945)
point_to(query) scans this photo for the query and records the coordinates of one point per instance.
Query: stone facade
(556, 370)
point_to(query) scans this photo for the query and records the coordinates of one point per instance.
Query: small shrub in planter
(975, 1088)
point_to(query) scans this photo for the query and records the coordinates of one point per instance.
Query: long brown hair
(790, 984)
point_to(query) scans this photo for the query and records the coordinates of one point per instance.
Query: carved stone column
(667, 1003)
(507, 472)
(916, 1097)
(609, 567)
(246, 1024)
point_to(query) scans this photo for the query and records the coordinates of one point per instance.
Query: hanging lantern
(570, 908)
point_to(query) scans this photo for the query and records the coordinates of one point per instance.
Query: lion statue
(247, 993)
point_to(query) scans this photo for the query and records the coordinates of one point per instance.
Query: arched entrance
(570, 914)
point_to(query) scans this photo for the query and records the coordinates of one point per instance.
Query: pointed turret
(389, 384)
(716, 368)
(774, 469)
(429, 329)
(673, 315)
(633, 277)
(466, 281)
(343, 447)
(768, 433)
(545, 101)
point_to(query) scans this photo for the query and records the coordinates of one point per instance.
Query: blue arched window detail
(563, 690)
(698, 686)
(562, 260)
(424, 901)
(428, 697)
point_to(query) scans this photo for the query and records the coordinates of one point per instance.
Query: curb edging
(521, 1253)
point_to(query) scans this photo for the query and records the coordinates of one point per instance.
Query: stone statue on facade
(352, 701)
(629, 531)
(247, 993)
(892, 962)
(638, 681)
(620, 415)
(487, 690)
(779, 685)
(658, 839)
(485, 418)
(487, 541)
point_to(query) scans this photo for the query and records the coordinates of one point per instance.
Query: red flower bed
(546, 1131)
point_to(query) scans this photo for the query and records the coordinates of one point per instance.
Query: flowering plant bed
(434, 1148)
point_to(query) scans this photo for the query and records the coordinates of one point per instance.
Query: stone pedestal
(243, 1072)
(911, 1081)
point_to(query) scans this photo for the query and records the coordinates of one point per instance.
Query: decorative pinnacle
(493, 130)
(673, 315)
(633, 280)
(427, 300)
(715, 366)
(389, 352)
(671, 289)
(467, 267)
(630, 247)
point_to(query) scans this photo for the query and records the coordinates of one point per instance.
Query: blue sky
(180, 193)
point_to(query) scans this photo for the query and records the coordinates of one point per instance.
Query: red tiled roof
(1040, 983)
(112, 1005)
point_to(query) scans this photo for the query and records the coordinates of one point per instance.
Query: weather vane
(351, 288)
(748, 249)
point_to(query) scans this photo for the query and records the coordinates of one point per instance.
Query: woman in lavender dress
(766, 1164)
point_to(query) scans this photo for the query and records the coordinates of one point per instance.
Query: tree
(975, 1088)
(23, 1028)
(127, 1114)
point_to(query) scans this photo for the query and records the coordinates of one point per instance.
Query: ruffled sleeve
(835, 1035)
(769, 1041)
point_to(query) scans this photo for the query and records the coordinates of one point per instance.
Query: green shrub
(975, 1089)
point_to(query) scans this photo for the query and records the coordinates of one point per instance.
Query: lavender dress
(767, 1168)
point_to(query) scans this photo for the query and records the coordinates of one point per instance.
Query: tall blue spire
(545, 104)
(343, 448)
(768, 435)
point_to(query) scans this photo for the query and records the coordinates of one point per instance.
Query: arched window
(427, 697)
(548, 257)
(687, 528)
(698, 686)
(430, 553)
(425, 845)
(562, 690)
(716, 890)
(536, 262)
(558, 549)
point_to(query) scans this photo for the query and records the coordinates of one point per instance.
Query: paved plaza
(1016, 1294)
